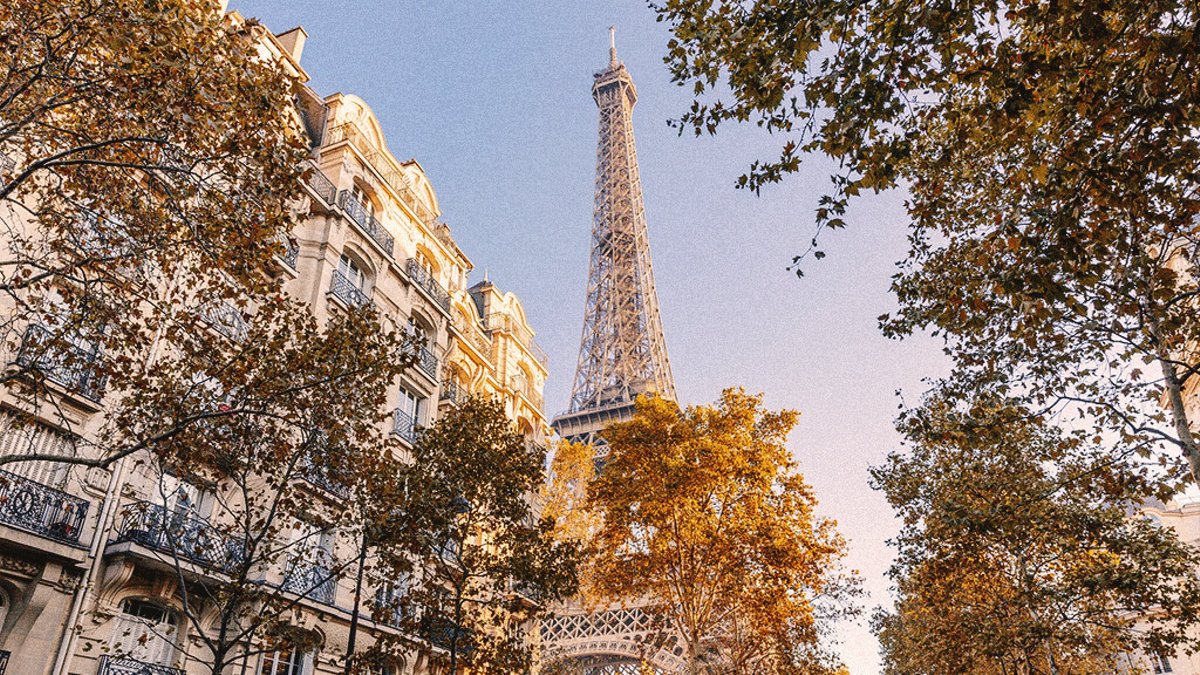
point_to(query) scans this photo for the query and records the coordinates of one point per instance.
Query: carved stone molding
(19, 566)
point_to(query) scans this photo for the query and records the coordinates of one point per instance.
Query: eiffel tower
(622, 355)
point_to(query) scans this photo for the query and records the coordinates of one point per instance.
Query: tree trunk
(1174, 390)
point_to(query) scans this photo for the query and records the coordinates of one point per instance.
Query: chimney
(292, 42)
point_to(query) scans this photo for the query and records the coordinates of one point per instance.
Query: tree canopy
(1019, 554)
(704, 515)
(1049, 154)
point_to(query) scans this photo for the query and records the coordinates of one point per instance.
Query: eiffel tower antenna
(622, 352)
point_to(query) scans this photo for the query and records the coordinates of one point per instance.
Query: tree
(479, 563)
(1020, 553)
(705, 516)
(293, 465)
(1049, 154)
(150, 165)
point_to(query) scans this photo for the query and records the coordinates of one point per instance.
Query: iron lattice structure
(622, 354)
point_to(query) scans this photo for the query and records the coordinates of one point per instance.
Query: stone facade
(72, 585)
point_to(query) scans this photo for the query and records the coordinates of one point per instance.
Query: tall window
(418, 332)
(1161, 663)
(413, 405)
(144, 631)
(360, 196)
(352, 272)
(284, 662)
(313, 544)
(17, 437)
(176, 495)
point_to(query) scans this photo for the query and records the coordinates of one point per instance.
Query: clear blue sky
(494, 100)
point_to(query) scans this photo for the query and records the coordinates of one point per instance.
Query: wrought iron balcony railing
(291, 251)
(41, 509)
(225, 319)
(318, 475)
(321, 184)
(311, 580)
(427, 362)
(180, 534)
(347, 292)
(384, 166)
(119, 665)
(452, 391)
(474, 334)
(66, 364)
(404, 426)
(425, 281)
(366, 222)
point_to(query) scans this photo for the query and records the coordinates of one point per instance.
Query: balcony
(224, 318)
(384, 166)
(68, 364)
(290, 254)
(180, 534)
(473, 333)
(345, 290)
(404, 426)
(310, 580)
(40, 509)
(424, 280)
(321, 184)
(318, 475)
(453, 392)
(427, 363)
(366, 222)
(116, 665)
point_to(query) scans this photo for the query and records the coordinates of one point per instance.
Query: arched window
(363, 197)
(350, 270)
(145, 631)
(418, 331)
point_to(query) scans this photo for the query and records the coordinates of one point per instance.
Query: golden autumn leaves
(702, 514)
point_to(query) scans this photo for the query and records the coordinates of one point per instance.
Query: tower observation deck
(622, 355)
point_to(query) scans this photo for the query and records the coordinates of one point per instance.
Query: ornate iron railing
(404, 426)
(180, 534)
(291, 251)
(68, 365)
(311, 580)
(318, 475)
(365, 221)
(427, 362)
(41, 509)
(475, 335)
(118, 665)
(321, 184)
(347, 292)
(225, 319)
(425, 281)
(383, 166)
(453, 392)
